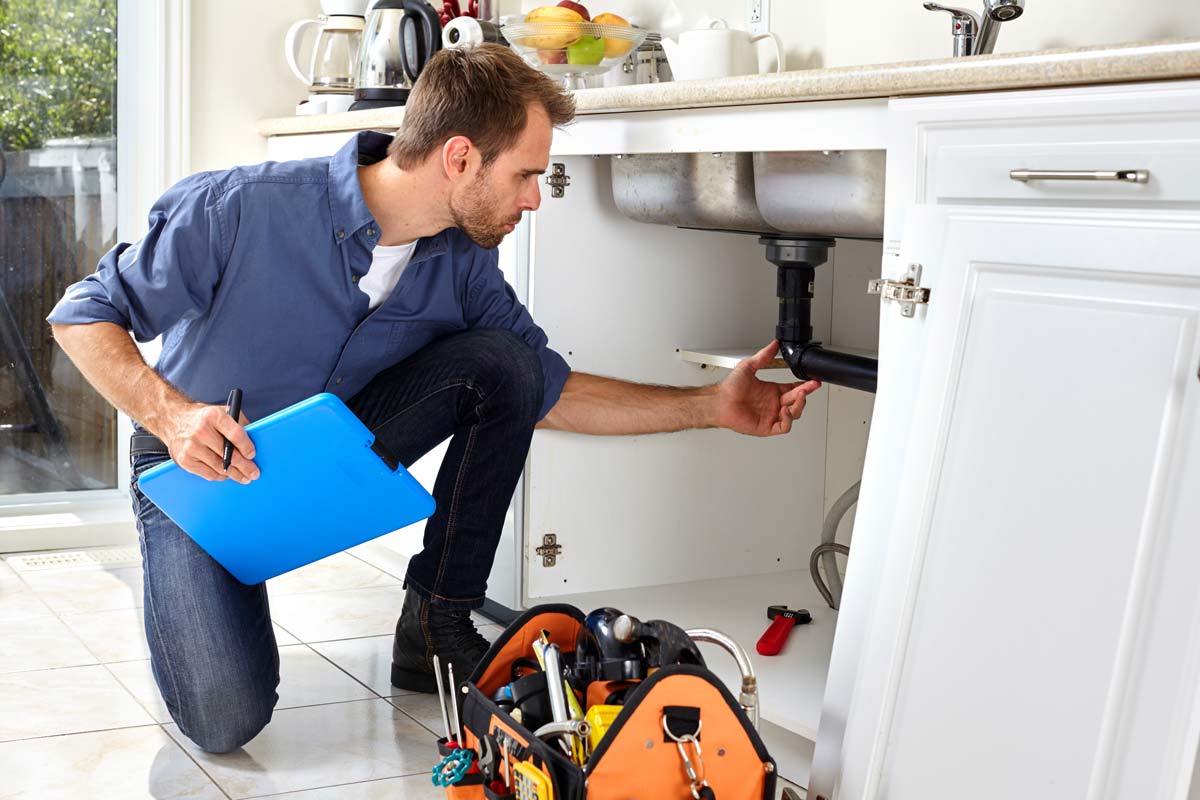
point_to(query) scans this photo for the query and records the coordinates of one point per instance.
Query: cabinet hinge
(550, 550)
(558, 180)
(908, 292)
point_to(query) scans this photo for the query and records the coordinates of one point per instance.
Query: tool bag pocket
(681, 716)
(469, 788)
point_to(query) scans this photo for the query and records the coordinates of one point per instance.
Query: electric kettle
(399, 39)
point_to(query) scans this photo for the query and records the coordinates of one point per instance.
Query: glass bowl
(571, 51)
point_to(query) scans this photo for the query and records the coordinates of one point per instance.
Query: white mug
(718, 51)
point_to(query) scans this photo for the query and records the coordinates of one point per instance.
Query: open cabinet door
(1022, 615)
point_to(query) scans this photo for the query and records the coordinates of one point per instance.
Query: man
(373, 275)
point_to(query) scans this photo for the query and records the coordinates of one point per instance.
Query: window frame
(153, 146)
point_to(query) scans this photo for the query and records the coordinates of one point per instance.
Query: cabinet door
(1034, 628)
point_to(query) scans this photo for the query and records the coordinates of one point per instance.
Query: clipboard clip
(388, 457)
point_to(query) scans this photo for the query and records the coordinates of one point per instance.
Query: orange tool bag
(640, 726)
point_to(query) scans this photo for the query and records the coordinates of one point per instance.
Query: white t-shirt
(387, 265)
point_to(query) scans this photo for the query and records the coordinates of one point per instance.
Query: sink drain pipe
(797, 261)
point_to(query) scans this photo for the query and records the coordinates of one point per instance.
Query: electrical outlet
(758, 15)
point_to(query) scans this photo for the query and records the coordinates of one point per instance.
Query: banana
(558, 36)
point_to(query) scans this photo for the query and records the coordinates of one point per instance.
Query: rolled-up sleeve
(169, 275)
(491, 303)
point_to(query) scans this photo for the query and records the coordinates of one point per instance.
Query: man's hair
(481, 92)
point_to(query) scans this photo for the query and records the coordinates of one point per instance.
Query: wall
(827, 33)
(239, 74)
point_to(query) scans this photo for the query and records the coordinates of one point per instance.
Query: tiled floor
(80, 716)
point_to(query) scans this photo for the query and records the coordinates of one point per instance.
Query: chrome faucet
(975, 34)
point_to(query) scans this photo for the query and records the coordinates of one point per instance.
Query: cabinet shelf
(791, 684)
(728, 357)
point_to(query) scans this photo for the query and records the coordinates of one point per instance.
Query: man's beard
(474, 217)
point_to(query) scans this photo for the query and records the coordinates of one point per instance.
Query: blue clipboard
(321, 489)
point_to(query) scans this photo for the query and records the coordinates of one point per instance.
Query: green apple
(588, 50)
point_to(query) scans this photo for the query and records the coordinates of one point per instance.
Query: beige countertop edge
(1073, 67)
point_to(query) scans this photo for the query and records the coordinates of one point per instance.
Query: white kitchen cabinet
(1020, 616)
(1035, 622)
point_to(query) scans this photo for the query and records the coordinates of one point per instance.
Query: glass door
(58, 216)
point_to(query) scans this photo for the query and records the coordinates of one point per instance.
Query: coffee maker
(399, 38)
(331, 66)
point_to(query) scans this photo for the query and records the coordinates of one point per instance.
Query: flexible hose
(814, 568)
(832, 593)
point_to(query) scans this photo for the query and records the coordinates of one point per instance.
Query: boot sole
(413, 681)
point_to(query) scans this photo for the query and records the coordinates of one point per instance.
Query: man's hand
(759, 408)
(195, 434)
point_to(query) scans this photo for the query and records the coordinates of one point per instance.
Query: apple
(588, 50)
(577, 8)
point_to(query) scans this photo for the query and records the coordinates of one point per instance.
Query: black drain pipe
(797, 261)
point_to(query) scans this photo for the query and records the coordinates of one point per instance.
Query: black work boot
(424, 630)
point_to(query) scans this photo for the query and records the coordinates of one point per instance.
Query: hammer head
(800, 615)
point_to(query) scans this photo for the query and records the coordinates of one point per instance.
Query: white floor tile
(81, 591)
(111, 635)
(335, 573)
(369, 660)
(305, 679)
(127, 764)
(40, 643)
(138, 680)
(414, 787)
(349, 614)
(424, 709)
(282, 637)
(317, 746)
(57, 701)
(18, 601)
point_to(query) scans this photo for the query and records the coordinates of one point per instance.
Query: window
(58, 216)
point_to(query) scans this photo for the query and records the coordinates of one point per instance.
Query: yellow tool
(600, 718)
(530, 783)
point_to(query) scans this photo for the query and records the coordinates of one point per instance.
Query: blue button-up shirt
(251, 277)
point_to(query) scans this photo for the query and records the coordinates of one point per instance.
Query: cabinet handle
(1126, 175)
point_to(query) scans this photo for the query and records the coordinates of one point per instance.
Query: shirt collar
(348, 208)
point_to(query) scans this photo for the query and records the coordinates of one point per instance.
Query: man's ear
(457, 156)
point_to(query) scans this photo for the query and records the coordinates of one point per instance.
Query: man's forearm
(604, 406)
(111, 362)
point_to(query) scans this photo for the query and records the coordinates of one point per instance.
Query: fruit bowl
(572, 51)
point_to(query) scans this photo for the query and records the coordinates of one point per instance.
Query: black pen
(234, 407)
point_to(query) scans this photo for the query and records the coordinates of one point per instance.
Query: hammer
(784, 619)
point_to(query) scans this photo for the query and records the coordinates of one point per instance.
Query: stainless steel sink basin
(831, 193)
(801, 193)
(714, 191)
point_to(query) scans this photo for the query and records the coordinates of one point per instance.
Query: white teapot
(717, 51)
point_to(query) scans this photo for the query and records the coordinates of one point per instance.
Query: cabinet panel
(617, 298)
(1036, 630)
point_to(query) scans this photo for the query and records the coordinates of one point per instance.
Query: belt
(144, 443)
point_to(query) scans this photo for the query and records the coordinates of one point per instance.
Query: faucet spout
(994, 13)
(975, 34)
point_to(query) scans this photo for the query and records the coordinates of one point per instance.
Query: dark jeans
(212, 648)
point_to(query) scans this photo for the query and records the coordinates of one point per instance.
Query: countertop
(1172, 59)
